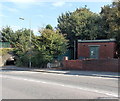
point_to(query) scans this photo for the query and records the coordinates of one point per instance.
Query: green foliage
(80, 24)
(84, 24)
(41, 50)
(49, 27)
(4, 51)
(53, 42)
(48, 46)
(7, 34)
(111, 22)
(20, 40)
(111, 18)
(22, 45)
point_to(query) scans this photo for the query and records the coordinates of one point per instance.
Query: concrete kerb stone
(81, 73)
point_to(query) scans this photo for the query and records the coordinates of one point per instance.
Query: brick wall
(106, 49)
(110, 65)
(119, 65)
(101, 65)
(72, 64)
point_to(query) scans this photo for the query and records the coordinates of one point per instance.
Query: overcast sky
(40, 13)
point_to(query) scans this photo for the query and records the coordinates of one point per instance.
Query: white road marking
(44, 82)
(53, 83)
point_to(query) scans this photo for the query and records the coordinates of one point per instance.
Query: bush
(4, 51)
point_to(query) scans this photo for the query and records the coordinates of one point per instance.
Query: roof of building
(91, 41)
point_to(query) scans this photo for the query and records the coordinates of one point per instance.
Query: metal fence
(5, 45)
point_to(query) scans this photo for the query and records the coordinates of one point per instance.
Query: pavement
(66, 72)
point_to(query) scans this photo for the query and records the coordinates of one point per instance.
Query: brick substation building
(94, 55)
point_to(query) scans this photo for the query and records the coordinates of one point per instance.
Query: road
(39, 85)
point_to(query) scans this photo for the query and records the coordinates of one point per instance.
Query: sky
(39, 13)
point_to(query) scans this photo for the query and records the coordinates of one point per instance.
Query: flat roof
(105, 40)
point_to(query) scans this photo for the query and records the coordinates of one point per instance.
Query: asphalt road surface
(38, 85)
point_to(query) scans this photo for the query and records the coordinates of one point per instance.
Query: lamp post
(74, 49)
(29, 39)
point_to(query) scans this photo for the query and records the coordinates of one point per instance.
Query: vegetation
(4, 51)
(41, 50)
(110, 15)
(49, 27)
(48, 46)
(80, 24)
(84, 24)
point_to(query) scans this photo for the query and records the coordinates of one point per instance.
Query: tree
(18, 38)
(49, 27)
(23, 39)
(111, 22)
(80, 24)
(48, 46)
(23, 47)
(110, 16)
(20, 41)
(42, 49)
(7, 34)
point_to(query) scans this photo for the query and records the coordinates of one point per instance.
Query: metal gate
(94, 52)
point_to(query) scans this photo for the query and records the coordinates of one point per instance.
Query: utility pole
(74, 49)
(21, 18)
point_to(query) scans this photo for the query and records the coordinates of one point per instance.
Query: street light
(21, 18)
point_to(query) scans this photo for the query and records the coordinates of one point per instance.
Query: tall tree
(20, 40)
(80, 24)
(111, 22)
(48, 46)
(17, 38)
(7, 34)
(23, 39)
(23, 46)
